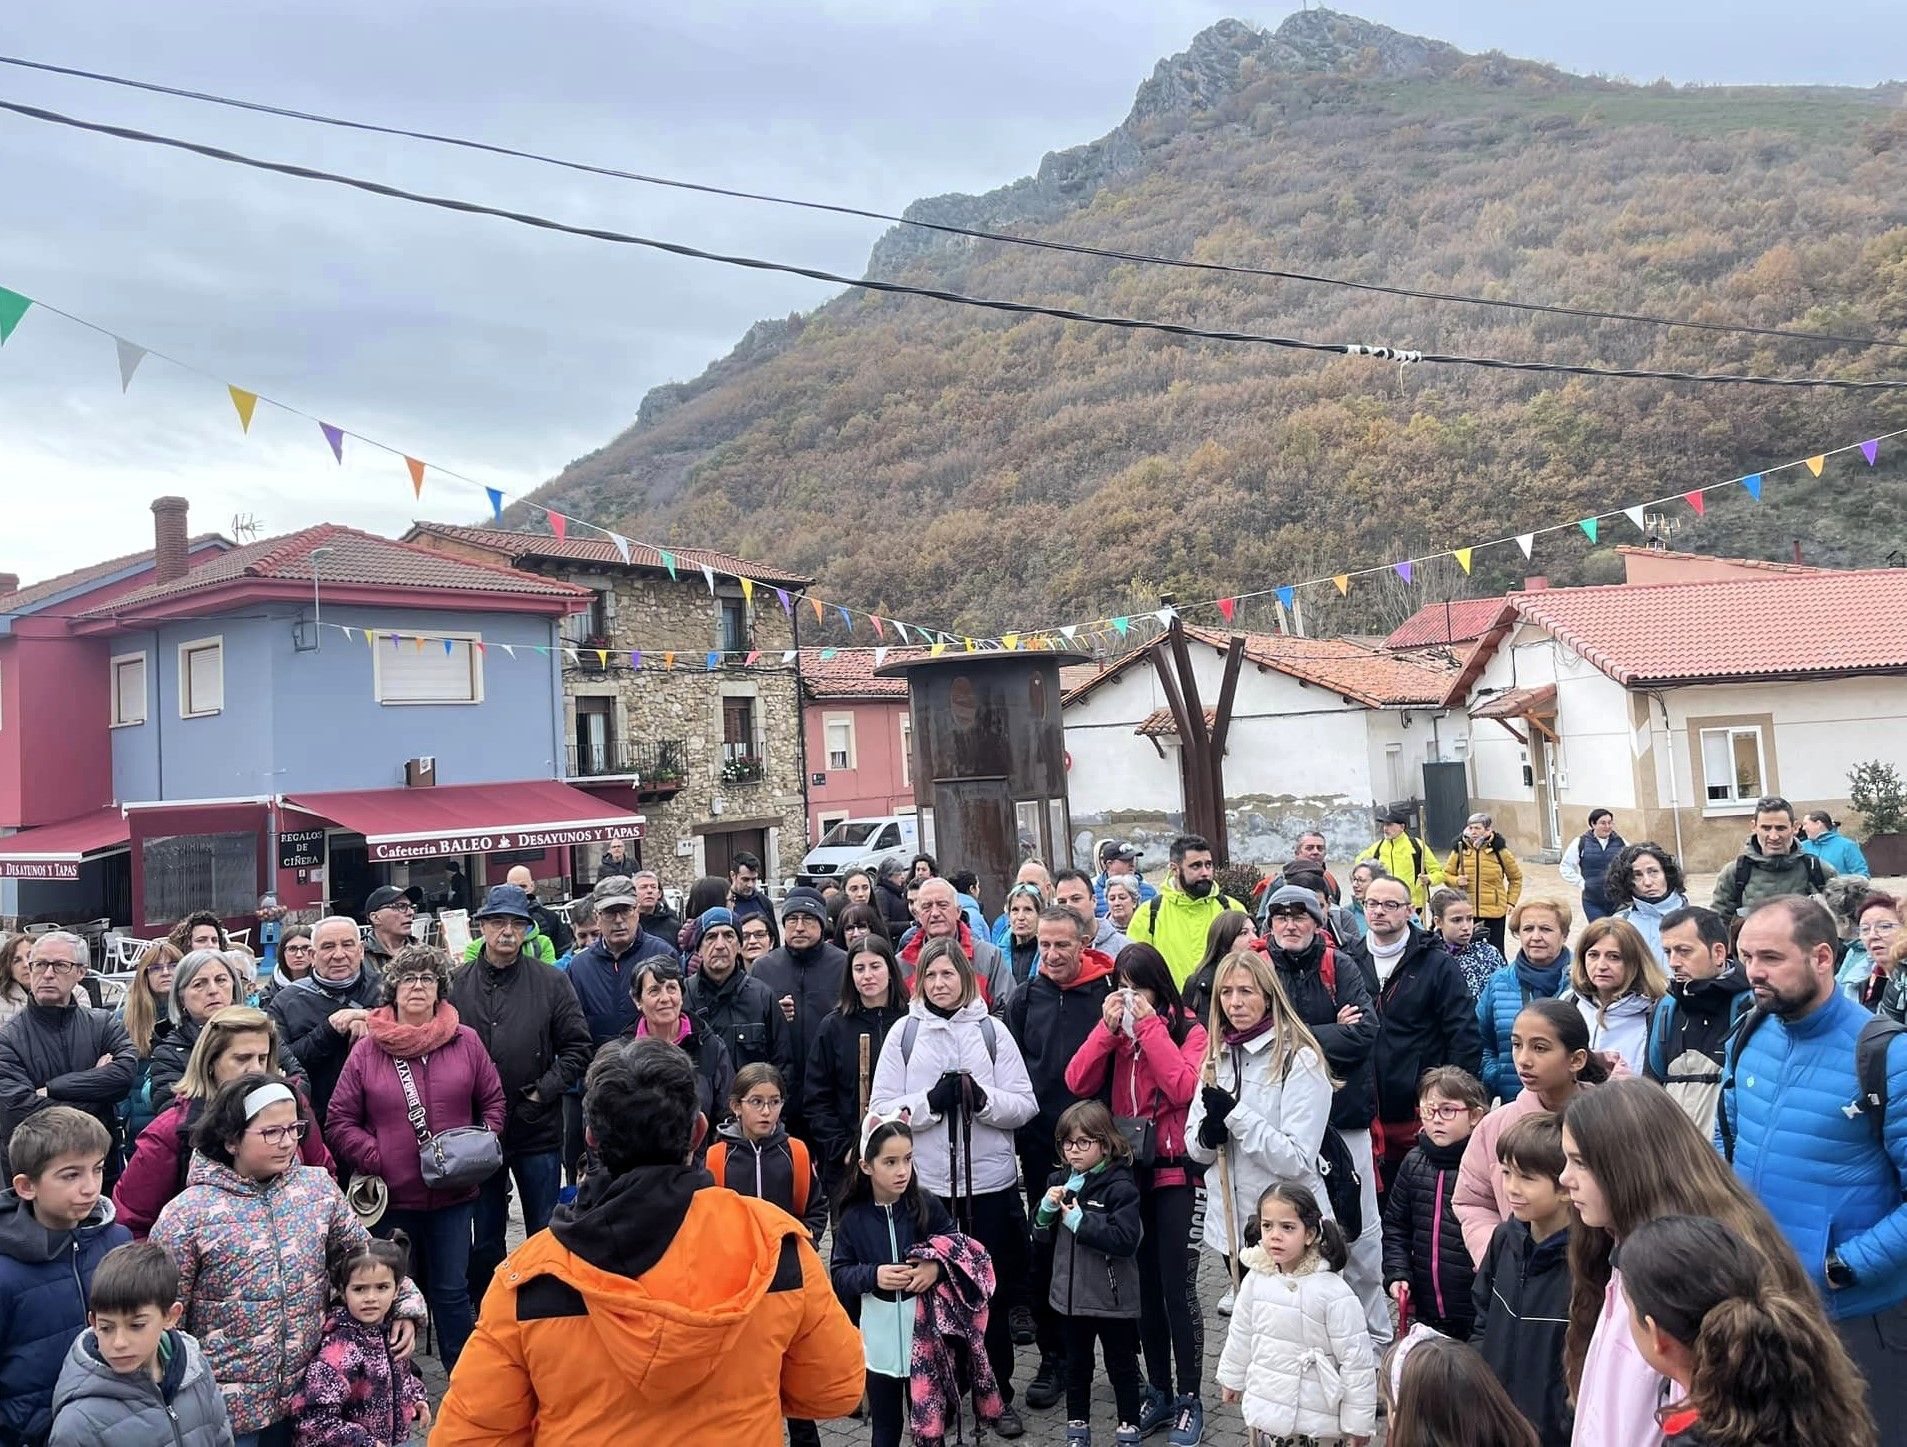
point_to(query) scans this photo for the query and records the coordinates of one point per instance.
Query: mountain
(984, 471)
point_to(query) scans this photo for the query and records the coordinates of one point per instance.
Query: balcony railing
(656, 763)
(743, 761)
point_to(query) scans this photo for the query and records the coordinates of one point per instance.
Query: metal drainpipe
(801, 725)
(1668, 744)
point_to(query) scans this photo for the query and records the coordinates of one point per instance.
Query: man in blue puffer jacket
(1801, 1141)
(1539, 972)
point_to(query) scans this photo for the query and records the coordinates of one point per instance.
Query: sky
(502, 353)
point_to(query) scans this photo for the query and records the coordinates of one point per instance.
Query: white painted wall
(1114, 769)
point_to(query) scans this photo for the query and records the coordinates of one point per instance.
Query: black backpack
(1745, 866)
(1225, 902)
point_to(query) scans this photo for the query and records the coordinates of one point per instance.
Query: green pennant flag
(13, 306)
(1588, 525)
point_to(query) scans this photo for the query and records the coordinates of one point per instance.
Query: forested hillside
(982, 471)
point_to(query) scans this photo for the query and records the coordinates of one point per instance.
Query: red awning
(471, 818)
(55, 851)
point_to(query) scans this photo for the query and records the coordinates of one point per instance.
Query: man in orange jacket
(660, 1307)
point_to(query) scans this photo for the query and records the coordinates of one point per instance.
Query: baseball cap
(386, 895)
(805, 901)
(720, 917)
(505, 900)
(612, 891)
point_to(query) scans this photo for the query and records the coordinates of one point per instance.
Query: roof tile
(1458, 621)
(521, 545)
(21, 599)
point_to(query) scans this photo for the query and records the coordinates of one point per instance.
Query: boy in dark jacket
(55, 1226)
(1424, 1254)
(1522, 1289)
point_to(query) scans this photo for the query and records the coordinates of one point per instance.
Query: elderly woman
(250, 1235)
(416, 1033)
(1482, 866)
(1122, 902)
(203, 983)
(148, 1021)
(237, 1041)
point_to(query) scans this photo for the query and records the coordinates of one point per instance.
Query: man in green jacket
(1176, 923)
(1408, 859)
(1772, 865)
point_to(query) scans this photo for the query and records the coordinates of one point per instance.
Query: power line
(1179, 329)
(947, 228)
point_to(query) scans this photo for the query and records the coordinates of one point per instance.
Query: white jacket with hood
(902, 1082)
(1620, 1028)
(1299, 1351)
(1275, 1131)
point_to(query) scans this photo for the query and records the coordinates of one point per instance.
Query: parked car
(859, 843)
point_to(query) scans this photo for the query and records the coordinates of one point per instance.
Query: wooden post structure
(1201, 747)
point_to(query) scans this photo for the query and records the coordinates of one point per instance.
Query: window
(907, 754)
(440, 670)
(185, 872)
(741, 750)
(829, 823)
(593, 623)
(840, 731)
(201, 678)
(1733, 770)
(734, 626)
(890, 838)
(129, 689)
(595, 731)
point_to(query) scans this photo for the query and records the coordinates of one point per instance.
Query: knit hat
(720, 917)
(1287, 894)
(804, 901)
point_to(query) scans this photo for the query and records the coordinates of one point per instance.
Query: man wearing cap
(1118, 860)
(1408, 859)
(805, 977)
(526, 1014)
(739, 1008)
(603, 973)
(389, 912)
(322, 1015)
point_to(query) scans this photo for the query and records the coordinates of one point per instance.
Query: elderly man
(804, 976)
(941, 918)
(603, 973)
(742, 1011)
(550, 929)
(389, 911)
(58, 1051)
(657, 918)
(526, 1014)
(323, 1015)
(660, 1307)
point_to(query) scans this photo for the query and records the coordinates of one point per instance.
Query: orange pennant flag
(417, 476)
(1343, 580)
(817, 607)
(1815, 464)
(668, 660)
(247, 403)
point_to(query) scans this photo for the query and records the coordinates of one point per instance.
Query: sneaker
(1126, 1435)
(1189, 1425)
(1225, 1302)
(1021, 1319)
(1156, 1413)
(1079, 1434)
(1048, 1384)
(1009, 1424)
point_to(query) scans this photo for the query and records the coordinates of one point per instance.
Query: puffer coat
(1423, 1240)
(1487, 873)
(1300, 1352)
(251, 1257)
(356, 1392)
(1503, 999)
(94, 1404)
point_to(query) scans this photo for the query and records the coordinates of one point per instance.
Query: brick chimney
(168, 539)
(9, 583)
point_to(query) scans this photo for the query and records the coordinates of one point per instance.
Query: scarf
(682, 1026)
(408, 1042)
(337, 989)
(1237, 1038)
(1385, 957)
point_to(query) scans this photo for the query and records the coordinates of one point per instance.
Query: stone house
(705, 731)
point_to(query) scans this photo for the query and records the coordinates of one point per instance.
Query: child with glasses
(1427, 1267)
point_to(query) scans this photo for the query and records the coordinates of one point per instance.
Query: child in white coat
(1298, 1354)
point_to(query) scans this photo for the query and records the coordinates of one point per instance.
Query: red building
(859, 744)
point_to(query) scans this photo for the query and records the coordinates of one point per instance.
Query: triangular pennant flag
(449, 647)
(900, 628)
(1695, 500)
(370, 640)
(1010, 641)
(1227, 607)
(815, 603)
(496, 502)
(246, 402)
(748, 592)
(937, 650)
(480, 646)
(713, 659)
(602, 658)
(131, 354)
(668, 561)
(417, 476)
(1870, 450)
(1815, 464)
(348, 632)
(12, 307)
(572, 655)
(708, 576)
(635, 658)
(847, 618)
(788, 656)
(509, 648)
(418, 639)
(1343, 581)
(781, 596)
(1462, 555)
(1120, 625)
(334, 436)
(1639, 517)
(1287, 595)
(1526, 541)
(1589, 527)
(880, 657)
(1403, 569)
(559, 525)
(1069, 632)
(541, 651)
(668, 659)
(1165, 616)
(753, 655)
(969, 643)
(1753, 483)
(828, 654)
(621, 545)
(879, 631)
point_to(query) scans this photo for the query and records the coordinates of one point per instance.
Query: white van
(860, 844)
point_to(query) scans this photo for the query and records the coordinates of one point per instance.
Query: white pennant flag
(622, 545)
(347, 634)
(789, 656)
(1635, 515)
(880, 657)
(709, 574)
(572, 655)
(1165, 617)
(507, 649)
(1068, 631)
(1526, 541)
(131, 354)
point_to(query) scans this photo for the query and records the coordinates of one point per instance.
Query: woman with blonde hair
(1616, 983)
(1265, 1100)
(149, 1025)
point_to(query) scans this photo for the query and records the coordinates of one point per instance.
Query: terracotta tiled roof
(1458, 621)
(1824, 625)
(1761, 564)
(1159, 724)
(24, 598)
(354, 557)
(850, 673)
(519, 546)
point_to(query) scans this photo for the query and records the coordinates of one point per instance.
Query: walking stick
(866, 1041)
(1225, 1187)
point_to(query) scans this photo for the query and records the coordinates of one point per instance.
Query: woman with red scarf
(368, 1124)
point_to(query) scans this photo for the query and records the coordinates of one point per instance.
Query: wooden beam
(1192, 780)
(1507, 728)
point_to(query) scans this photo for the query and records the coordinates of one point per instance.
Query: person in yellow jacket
(1482, 866)
(1408, 859)
(660, 1307)
(1175, 924)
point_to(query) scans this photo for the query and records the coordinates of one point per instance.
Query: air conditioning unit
(420, 773)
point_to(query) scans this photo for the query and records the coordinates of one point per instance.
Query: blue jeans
(538, 1177)
(440, 1264)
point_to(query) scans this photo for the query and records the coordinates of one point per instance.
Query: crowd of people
(1456, 1159)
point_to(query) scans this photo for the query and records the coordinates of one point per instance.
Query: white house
(1322, 729)
(1678, 704)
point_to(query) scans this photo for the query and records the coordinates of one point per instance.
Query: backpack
(1745, 866)
(804, 1172)
(910, 1032)
(1342, 1184)
(1870, 1073)
(1225, 902)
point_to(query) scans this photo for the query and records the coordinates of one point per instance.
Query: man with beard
(745, 897)
(1176, 923)
(804, 977)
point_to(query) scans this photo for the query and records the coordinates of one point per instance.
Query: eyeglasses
(758, 936)
(52, 967)
(164, 967)
(1370, 904)
(1442, 1112)
(400, 981)
(1077, 1143)
(298, 947)
(1882, 926)
(278, 1135)
(756, 1102)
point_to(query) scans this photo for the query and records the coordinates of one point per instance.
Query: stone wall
(1263, 831)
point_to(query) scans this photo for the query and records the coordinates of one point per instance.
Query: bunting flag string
(334, 436)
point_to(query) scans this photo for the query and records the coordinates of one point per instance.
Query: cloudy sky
(501, 352)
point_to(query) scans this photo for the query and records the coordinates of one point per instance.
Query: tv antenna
(244, 527)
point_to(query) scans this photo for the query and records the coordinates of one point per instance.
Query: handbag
(451, 1160)
(1141, 1133)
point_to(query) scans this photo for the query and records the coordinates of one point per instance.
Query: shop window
(184, 872)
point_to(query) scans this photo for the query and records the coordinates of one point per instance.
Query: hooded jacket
(303, 1010)
(742, 1012)
(1690, 1036)
(1408, 859)
(1522, 1313)
(1096, 1259)
(765, 1169)
(1619, 1028)
(1487, 873)
(831, 1085)
(1837, 851)
(528, 1021)
(93, 1403)
(58, 1046)
(1349, 1050)
(1273, 1133)
(1769, 877)
(1502, 1000)
(1300, 1351)
(1423, 1242)
(657, 1309)
(356, 1393)
(1175, 924)
(813, 977)
(1152, 1078)
(1425, 1018)
(1105, 938)
(45, 1278)
(1051, 1022)
(1647, 916)
(957, 1042)
(601, 979)
(990, 968)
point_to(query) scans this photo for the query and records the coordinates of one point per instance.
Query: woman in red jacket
(1152, 1046)
(369, 1124)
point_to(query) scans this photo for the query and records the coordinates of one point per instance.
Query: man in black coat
(657, 918)
(736, 1006)
(58, 1051)
(323, 1015)
(526, 1014)
(805, 977)
(890, 895)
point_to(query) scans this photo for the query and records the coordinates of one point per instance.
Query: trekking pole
(1225, 1188)
(866, 1086)
(966, 1127)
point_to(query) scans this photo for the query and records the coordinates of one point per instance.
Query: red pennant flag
(1696, 501)
(875, 620)
(753, 655)
(417, 476)
(559, 525)
(1228, 606)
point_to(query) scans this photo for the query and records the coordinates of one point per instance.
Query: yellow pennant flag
(969, 643)
(937, 650)
(602, 657)
(247, 403)
(1343, 580)
(369, 641)
(1009, 641)
(1815, 464)
(1462, 555)
(748, 592)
